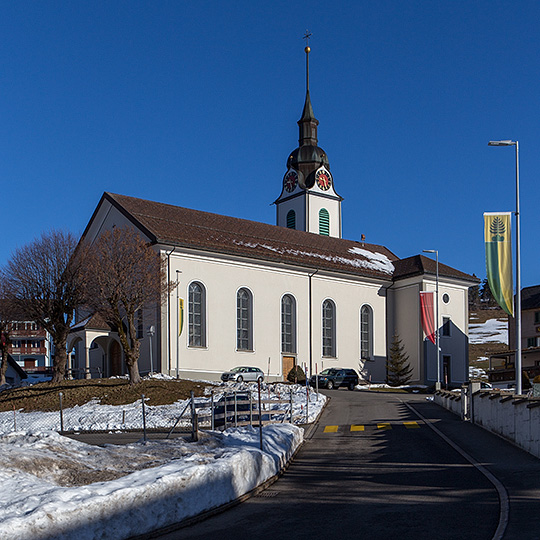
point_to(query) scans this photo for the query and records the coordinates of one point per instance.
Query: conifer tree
(398, 370)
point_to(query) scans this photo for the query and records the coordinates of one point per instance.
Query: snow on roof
(375, 261)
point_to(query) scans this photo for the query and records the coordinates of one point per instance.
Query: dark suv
(336, 377)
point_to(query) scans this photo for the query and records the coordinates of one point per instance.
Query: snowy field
(492, 331)
(57, 488)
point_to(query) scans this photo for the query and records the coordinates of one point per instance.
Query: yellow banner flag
(180, 315)
(499, 258)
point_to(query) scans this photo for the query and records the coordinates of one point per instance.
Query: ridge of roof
(420, 264)
(174, 225)
(184, 227)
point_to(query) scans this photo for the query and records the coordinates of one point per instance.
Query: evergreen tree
(486, 296)
(474, 297)
(398, 370)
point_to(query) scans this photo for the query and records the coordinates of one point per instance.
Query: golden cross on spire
(307, 35)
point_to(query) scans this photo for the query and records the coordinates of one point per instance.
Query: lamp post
(177, 322)
(150, 332)
(518, 266)
(438, 383)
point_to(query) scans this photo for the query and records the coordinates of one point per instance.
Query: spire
(308, 123)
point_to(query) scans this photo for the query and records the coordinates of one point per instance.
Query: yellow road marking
(357, 428)
(411, 425)
(384, 425)
(331, 429)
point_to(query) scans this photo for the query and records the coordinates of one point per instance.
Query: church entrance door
(288, 362)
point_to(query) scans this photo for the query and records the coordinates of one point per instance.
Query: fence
(220, 410)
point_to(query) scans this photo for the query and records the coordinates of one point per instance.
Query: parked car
(243, 373)
(34, 378)
(335, 377)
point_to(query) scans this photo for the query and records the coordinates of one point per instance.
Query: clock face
(290, 181)
(324, 179)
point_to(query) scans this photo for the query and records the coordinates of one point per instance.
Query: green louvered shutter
(324, 222)
(291, 219)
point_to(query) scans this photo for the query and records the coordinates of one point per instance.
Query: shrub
(297, 375)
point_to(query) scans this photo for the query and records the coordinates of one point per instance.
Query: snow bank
(41, 496)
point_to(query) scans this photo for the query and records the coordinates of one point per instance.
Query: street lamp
(438, 384)
(150, 332)
(178, 272)
(518, 266)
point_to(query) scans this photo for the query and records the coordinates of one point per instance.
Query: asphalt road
(372, 469)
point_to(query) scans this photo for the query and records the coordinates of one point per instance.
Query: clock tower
(308, 200)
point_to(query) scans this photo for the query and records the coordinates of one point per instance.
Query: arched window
(288, 324)
(324, 222)
(197, 314)
(329, 329)
(366, 333)
(291, 219)
(244, 320)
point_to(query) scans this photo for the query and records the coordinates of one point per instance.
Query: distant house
(30, 346)
(530, 341)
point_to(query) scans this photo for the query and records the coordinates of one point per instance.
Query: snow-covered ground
(491, 331)
(55, 487)
(477, 374)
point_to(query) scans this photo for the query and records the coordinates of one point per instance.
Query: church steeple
(308, 200)
(308, 123)
(308, 157)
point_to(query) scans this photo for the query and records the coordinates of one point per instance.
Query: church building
(272, 296)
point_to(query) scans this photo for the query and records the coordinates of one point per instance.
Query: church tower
(308, 200)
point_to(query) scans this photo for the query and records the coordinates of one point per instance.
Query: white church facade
(271, 296)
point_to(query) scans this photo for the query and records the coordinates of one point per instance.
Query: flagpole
(177, 323)
(519, 386)
(436, 251)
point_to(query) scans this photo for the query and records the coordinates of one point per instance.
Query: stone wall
(516, 418)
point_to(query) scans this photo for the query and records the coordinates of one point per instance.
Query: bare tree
(5, 330)
(125, 275)
(43, 281)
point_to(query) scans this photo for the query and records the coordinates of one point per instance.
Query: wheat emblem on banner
(497, 229)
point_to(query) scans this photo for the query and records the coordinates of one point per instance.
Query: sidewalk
(518, 471)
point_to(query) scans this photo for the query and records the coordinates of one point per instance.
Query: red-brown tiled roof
(419, 265)
(182, 227)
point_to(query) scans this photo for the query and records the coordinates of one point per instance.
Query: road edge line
(504, 503)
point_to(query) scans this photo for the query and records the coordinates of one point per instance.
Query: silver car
(243, 373)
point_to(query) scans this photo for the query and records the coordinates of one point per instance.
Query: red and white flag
(428, 317)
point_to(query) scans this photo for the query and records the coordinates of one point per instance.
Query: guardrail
(235, 408)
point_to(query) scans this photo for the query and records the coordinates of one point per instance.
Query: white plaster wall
(407, 325)
(332, 205)
(515, 419)
(107, 217)
(456, 346)
(298, 204)
(222, 278)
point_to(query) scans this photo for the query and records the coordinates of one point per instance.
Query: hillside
(488, 334)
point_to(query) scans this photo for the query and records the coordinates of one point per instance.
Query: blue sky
(195, 104)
